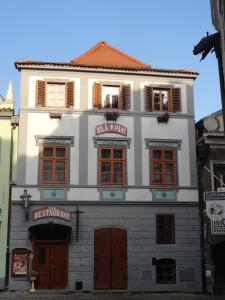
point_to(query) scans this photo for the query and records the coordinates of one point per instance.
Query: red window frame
(54, 159)
(163, 162)
(112, 161)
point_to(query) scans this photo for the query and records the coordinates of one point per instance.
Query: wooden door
(50, 261)
(58, 266)
(110, 258)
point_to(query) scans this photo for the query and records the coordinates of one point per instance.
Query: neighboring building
(218, 20)
(107, 153)
(8, 145)
(210, 138)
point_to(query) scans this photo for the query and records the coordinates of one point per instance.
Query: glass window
(163, 167)
(165, 229)
(54, 165)
(166, 271)
(161, 100)
(56, 94)
(219, 172)
(111, 166)
(110, 96)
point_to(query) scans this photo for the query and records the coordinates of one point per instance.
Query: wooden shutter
(70, 91)
(97, 95)
(176, 99)
(126, 96)
(41, 93)
(148, 98)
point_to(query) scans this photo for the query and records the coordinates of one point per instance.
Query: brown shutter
(126, 96)
(41, 93)
(148, 98)
(176, 99)
(70, 91)
(97, 95)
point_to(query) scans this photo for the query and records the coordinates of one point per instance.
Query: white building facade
(107, 153)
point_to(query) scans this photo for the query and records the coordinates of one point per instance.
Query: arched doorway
(50, 255)
(110, 254)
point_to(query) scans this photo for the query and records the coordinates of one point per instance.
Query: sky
(161, 33)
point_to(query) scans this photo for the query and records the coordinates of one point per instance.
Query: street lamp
(25, 199)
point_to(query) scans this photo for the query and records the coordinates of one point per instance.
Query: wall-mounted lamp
(25, 199)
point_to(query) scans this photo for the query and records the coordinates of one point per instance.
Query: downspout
(9, 206)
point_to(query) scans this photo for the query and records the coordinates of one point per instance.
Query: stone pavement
(67, 295)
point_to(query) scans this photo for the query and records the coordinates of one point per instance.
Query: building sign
(215, 210)
(211, 196)
(20, 262)
(218, 227)
(56, 212)
(111, 128)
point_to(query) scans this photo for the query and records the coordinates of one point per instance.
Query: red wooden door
(50, 261)
(58, 266)
(110, 258)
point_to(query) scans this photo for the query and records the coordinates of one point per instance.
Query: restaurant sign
(111, 128)
(56, 212)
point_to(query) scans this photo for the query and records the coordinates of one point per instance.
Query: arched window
(166, 270)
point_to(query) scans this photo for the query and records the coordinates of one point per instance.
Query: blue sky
(161, 33)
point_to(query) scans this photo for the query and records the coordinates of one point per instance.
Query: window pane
(117, 167)
(60, 176)
(48, 152)
(42, 255)
(47, 165)
(105, 153)
(169, 168)
(169, 179)
(117, 178)
(156, 96)
(157, 154)
(168, 155)
(118, 153)
(157, 168)
(60, 166)
(110, 96)
(164, 95)
(157, 178)
(115, 99)
(105, 167)
(60, 152)
(105, 178)
(55, 94)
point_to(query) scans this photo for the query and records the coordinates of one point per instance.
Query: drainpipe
(9, 206)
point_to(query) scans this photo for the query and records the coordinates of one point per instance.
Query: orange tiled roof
(105, 55)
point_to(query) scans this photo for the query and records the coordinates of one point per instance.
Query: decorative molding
(54, 140)
(112, 142)
(163, 143)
